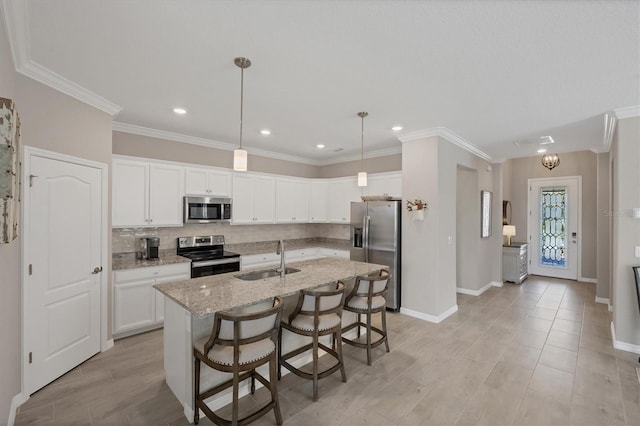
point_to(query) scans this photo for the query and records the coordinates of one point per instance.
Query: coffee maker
(148, 248)
(153, 248)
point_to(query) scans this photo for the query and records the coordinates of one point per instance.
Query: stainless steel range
(207, 255)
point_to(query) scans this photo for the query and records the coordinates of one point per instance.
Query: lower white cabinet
(253, 261)
(137, 305)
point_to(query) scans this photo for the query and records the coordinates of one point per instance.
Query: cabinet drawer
(152, 272)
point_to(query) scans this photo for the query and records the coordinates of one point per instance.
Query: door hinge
(30, 357)
(30, 269)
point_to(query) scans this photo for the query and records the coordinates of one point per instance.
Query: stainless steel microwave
(207, 210)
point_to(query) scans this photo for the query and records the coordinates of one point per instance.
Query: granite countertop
(295, 244)
(128, 261)
(207, 295)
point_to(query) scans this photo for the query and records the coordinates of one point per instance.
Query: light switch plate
(637, 251)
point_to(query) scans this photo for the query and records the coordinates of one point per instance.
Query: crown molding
(15, 18)
(628, 112)
(56, 81)
(356, 157)
(609, 129)
(447, 134)
(209, 143)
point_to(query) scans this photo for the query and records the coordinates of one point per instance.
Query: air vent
(542, 140)
(338, 149)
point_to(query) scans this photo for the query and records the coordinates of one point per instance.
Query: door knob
(97, 270)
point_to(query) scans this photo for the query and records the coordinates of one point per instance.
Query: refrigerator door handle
(365, 237)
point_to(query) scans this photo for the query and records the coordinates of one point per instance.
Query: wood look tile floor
(539, 353)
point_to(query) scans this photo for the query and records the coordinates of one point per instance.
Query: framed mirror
(485, 211)
(506, 212)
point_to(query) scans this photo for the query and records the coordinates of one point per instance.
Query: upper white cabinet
(253, 199)
(292, 200)
(341, 193)
(146, 194)
(207, 182)
(384, 183)
(319, 200)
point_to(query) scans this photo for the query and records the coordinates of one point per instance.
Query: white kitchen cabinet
(319, 199)
(341, 193)
(292, 200)
(207, 182)
(254, 198)
(137, 305)
(384, 183)
(263, 260)
(146, 194)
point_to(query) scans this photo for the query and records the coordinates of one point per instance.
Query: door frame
(27, 153)
(550, 180)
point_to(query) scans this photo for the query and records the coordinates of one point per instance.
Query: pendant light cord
(362, 146)
(241, 101)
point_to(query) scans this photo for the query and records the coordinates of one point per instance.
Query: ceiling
(492, 72)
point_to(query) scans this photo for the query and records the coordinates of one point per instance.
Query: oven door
(215, 266)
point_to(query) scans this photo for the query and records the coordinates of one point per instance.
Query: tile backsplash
(124, 239)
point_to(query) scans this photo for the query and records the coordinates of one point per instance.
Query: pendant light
(240, 155)
(362, 175)
(550, 161)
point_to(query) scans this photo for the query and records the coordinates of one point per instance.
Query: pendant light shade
(240, 155)
(240, 160)
(362, 178)
(550, 161)
(362, 175)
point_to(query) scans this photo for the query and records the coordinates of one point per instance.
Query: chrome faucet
(280, 251)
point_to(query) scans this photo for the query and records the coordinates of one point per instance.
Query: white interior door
(554, 227)
(62, 290)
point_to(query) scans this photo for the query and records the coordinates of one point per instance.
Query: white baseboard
(478, 292)
(16, 401)
(588, 280)
(430, 318)
(108, 345)
(623, 346)
(604, 300)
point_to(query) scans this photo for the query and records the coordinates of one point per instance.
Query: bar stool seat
(318, 313)
(240, 341)
(367, 298)
(249, 353)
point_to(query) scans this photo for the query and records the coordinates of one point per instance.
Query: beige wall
(160, 149)
(467, 228)
(626, 230)
(582, 163)
(10, 313)
(390, 163)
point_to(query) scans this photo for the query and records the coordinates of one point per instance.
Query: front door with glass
(554, 227)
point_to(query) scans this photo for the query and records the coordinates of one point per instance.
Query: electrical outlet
(637, 251)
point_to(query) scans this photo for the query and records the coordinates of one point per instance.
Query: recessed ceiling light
(541, 150)
(320, 146)
(396, 128)
(265, 132)
(180, 111)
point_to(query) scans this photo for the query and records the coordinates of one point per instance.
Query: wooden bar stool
(241, 341)
(318, 313)
(367, 298)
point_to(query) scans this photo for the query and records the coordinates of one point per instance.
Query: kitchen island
(190, 306)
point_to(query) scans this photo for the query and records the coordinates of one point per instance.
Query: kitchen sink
(266, 273)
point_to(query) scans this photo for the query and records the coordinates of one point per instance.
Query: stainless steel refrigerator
(375, 238)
